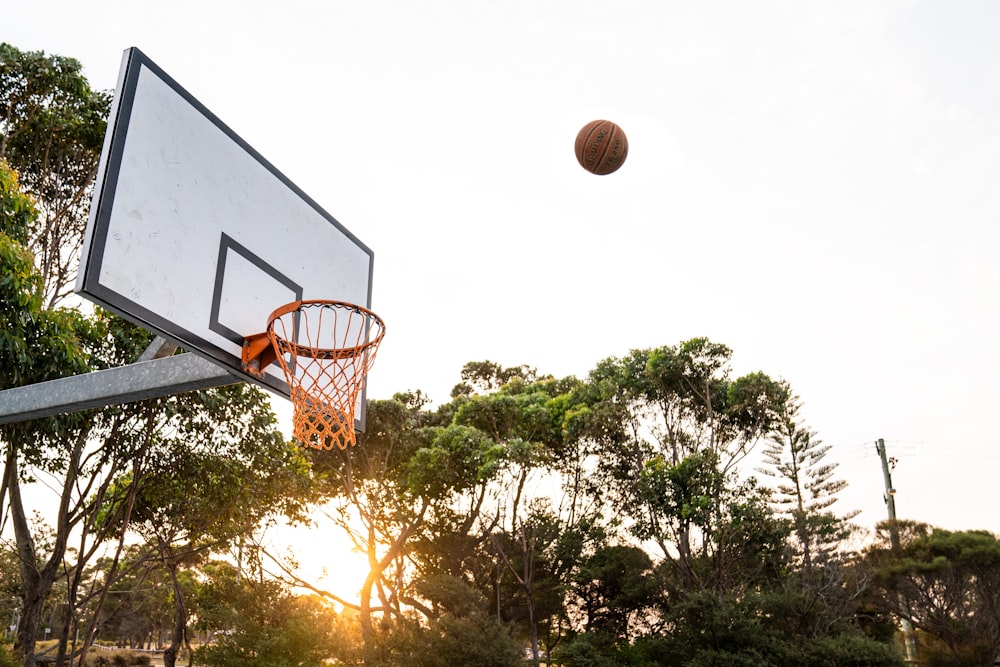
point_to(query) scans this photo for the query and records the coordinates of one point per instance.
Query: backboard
(195, 236)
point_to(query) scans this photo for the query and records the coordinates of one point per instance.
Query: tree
(951, 582)
(532, 567)
(824, 587)
(674, 408)
(806, 488)
(523, 416)
(616, 595)
(51, 130)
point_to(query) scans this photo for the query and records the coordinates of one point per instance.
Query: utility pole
(890, 502)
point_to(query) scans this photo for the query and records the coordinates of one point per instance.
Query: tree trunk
(376, 567)
(69, 622)
(367, 628)
(180, 618)
(37, 582)
(684, 558)
(35, 589)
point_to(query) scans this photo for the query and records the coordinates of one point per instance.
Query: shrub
(123, 658)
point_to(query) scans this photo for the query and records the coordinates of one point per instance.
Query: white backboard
(197, 237)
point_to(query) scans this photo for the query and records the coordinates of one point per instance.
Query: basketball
(601, 147)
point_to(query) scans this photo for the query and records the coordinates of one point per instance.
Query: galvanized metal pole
(144, 379)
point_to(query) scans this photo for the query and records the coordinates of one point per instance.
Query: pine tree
(806, 489)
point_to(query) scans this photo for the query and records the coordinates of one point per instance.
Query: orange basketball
(601, 147)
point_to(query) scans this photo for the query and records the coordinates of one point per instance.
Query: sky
(814, 184)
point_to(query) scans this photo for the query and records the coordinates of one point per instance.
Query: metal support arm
(144, 379)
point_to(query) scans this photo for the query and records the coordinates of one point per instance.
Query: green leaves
(267, 626)
(17, 210)
(686, 492)
(685, 397)
(458, 458)
(35, 344)
(51, 129)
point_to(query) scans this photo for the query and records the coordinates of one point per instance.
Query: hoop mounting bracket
(258, 354)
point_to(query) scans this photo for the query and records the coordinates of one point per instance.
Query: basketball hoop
(326, 349)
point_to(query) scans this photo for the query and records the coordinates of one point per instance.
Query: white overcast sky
(814, 184)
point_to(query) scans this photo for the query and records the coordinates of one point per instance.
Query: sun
(321, 556)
